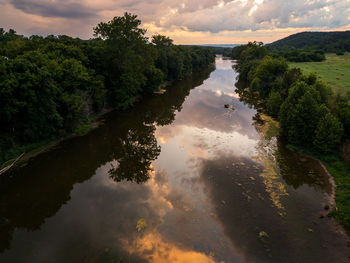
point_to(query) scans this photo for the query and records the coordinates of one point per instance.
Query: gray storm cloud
(212, 16)
(55, 8)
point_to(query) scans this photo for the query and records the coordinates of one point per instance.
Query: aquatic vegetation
(266, 148)
(141, 224)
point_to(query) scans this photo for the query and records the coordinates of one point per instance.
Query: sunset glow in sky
(185, 21)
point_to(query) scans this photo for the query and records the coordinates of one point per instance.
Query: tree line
(307, 46)
(328, 42)
(50, 86)
(291, 54)
(309, 115)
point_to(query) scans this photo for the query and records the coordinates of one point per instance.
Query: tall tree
(128, 57)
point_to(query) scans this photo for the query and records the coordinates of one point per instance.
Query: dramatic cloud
(54, 8)
(187, 21)
(255, 15)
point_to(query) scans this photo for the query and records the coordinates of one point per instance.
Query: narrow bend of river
(178, 178)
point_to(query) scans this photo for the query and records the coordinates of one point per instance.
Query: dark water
(179, 178)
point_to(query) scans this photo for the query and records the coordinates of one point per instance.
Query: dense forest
(51, 86)
(291, 54)
(329, 42)
(303, 104)
(306, 46)
(299, 55)
(224, 51)
(310, 116)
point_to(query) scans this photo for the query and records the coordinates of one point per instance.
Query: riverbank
(49, 89)
(334, 165)
(20, 156)
(31, 150)
(338, 171)
(311, 119)
(337, 206)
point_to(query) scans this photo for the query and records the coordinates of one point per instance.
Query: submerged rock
(228, 106)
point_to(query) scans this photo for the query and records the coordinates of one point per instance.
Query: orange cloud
(158, 251)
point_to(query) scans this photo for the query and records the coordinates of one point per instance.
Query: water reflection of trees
(30, 194)
(246, 95)
(294, 169)
(243, 206)
(297, 170)
(137, 152)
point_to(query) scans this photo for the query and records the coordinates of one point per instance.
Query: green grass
(341, 174)
(8, 157)
(335, 71)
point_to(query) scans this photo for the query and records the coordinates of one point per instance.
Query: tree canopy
(50, 86)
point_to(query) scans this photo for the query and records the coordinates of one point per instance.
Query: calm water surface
(178, 178)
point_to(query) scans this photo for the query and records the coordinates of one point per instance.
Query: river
(178, 178)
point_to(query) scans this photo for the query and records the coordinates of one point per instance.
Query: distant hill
(220, 49)
(221, 45)
(336, 41)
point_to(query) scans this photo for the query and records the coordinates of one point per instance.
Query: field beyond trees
(334, 71)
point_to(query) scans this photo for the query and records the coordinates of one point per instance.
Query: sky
(185, 21)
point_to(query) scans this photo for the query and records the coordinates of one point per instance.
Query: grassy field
(335, 71)
(340, 172)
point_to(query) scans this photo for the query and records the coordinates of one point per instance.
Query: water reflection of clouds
(205, 110)
(179, 228)
(206, 143)
(158, 251)
(212, 146)
(103, 214)
(205, 107)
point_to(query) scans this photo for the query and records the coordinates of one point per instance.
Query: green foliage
(253, 50)
(309, 117)
(274, 103)
(299, 114)
(300, 55)
(127, 58)
(300, 102)
(325, 91)
(155, 78)
(177, 62)
(237, 51)
(268, 75)
(328, 133)
(322, 41)
(50, 86)
(249, 56)
(340, 170)
(290, 77)
(7, 153)
(162, 41)
(28, 96)
(342, 111)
